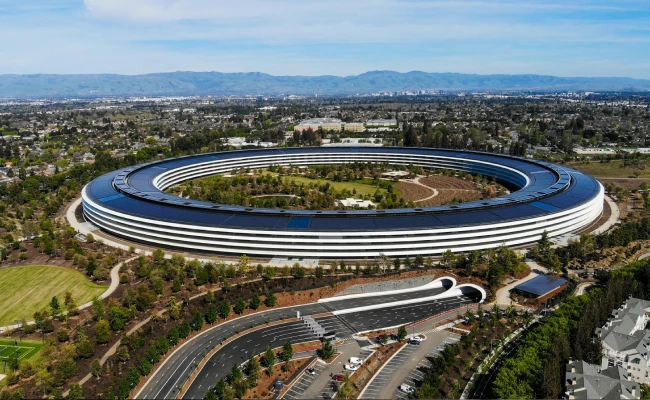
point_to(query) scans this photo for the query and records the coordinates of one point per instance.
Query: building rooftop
(540, 285)
(588, 381)
(625, 328)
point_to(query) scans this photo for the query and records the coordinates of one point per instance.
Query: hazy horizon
(340, 38)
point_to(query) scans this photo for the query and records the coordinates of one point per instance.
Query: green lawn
(21, 350)
(610, 169)
(362, 188)
(25, 290)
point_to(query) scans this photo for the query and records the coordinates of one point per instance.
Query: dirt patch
(447, 182)
(624, 183)
(449, 196)
(413, 192)
(280, 372)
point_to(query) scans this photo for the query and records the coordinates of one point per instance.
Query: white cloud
(325, 37)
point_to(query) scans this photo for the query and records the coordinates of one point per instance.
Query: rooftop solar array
(540, 285)
(541, 189)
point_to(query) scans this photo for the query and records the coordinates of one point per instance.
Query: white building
(587, 381)
(350, 202)
(381, 122)
(626, 341)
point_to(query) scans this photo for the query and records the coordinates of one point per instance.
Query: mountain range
(256, 83)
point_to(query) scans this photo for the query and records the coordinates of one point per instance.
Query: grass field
(21, 350)
(610, 169)
(361, 188)
(25, 290)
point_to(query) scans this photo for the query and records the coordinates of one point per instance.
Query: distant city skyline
(290, 37)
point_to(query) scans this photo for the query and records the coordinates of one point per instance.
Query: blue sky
(336, 37)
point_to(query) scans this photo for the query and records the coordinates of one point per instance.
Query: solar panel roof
(550, 188)
(541, 285)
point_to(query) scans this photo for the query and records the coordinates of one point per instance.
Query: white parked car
(351, 367)
(356, 360)
(406, 388)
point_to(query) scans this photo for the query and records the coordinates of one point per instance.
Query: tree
(270, 300)
(55, 306)
(383, 261)
(76, 392)
(326, 351)
(62, 335)
(252, 370)
(197, 321)
(224, 309)
(287, 351)
(84, 348)
(448, 259)
(117, 318)
(240, 306)
(255, 302)
(211, 314)
(419, 260)
(96, 368)
(43, 380)
(243, 265)
(102, 331)
(402, 333)
(269, 359)
(97, 309)
(345, 390)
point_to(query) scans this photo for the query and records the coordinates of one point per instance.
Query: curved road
(174, 372)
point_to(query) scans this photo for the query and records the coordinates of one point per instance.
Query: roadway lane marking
(179, 365)
(167, 395)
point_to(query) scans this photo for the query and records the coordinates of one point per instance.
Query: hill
(255, 83)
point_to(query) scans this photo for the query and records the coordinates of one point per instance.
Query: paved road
(403, 367)
(256, 342)
(372, 300)
(379, 318)
(167, 380)
(240, 349)
(411, 373)
(173, 373)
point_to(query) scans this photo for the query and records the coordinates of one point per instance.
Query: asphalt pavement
(167, 380)
(172, 375)
(240, 349)
(379, 318)
(372, 300)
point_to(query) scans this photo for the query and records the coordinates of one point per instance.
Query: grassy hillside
(25, 290)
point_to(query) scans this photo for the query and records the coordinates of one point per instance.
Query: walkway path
(417, 182)
(115, 282)
(613, 218)
(580, 290)
(84, 229)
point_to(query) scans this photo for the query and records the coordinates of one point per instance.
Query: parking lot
(298, 389)
(416, 374)
(376, 386)
(404, 367)
(321, 385)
